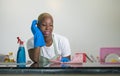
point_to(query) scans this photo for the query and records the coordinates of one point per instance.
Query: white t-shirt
(61, 44)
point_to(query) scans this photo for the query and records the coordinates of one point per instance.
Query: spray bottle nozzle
(19, 40)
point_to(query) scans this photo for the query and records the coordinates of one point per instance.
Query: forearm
(38, 42)
(34, 54)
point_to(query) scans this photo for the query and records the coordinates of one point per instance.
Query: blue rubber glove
(38, 36)
(65, 59)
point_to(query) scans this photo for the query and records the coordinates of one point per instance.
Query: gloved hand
(65, 59)
(38, 36)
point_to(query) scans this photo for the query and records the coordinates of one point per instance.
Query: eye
(51, 24)
(43, 24)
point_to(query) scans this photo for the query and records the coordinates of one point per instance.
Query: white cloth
(62, 46)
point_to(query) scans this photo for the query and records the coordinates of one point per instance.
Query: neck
(49, 40)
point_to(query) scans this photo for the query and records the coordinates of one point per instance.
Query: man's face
(46, 27)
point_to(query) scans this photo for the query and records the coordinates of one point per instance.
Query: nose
(47, 27)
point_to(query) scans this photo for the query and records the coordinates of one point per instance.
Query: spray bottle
(21, 56)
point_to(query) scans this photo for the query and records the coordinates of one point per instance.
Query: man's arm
(34, 54)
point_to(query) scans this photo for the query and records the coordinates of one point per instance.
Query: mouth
(46, 33)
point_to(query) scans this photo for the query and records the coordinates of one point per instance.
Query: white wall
(88, 24)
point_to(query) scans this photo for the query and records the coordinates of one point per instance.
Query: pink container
(106, 51)
(79, 57)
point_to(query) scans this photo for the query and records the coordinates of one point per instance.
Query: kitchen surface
(107, 63)
(56, 69)
(81, 64)
(87, 67)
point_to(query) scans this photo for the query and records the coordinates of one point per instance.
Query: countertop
(76, 68)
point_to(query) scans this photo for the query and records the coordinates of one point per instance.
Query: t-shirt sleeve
(65, 47)
(30, 43)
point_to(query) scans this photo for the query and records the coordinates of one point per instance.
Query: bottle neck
(21, 45)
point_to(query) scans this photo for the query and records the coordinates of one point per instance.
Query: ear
(38, 22)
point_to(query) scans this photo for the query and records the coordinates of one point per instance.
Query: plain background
(88, 24)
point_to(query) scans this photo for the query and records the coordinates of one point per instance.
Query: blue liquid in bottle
(21, 55)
